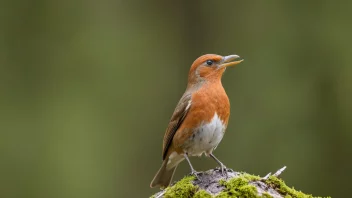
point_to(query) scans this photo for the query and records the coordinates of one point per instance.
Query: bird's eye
(210, 62)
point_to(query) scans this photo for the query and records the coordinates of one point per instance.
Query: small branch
(160, 195)
(276, 174)
(266, 176)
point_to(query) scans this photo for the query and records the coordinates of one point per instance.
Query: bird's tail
(164, 176)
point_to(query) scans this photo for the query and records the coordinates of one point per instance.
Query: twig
(266, 176)
(276, 174)
(279, 171)
(161, 194)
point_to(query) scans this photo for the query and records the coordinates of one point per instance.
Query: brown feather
(176, 120)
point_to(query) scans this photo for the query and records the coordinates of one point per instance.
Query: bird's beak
(228, 61)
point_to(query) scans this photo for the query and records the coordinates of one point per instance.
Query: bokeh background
(87, 89)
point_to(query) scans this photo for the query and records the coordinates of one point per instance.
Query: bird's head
(210, 67)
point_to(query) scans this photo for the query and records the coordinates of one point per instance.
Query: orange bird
(200, 117)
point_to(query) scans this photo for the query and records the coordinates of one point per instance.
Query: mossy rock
(213, 183)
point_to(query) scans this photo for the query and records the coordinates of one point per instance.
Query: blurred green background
(87, 89)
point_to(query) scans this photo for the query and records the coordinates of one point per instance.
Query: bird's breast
(206, 121)
(205, 137)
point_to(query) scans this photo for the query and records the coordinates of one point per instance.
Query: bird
(200, 118)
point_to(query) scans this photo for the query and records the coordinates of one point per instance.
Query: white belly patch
(205, 138)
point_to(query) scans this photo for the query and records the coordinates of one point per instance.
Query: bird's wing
(177, 118)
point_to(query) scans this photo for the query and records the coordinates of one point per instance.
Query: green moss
(239, 187)
(266, 195)
(282, 188)
(183, 188)
(202, 194)
(251, 177)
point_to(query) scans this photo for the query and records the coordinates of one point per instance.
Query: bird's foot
(224, 170)
(195, 173)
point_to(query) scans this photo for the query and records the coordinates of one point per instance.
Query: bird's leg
(222, 166)
(193, 172)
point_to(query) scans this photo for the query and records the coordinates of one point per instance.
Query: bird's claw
(195, 173)
(223, 169)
